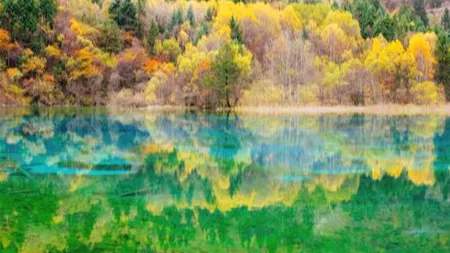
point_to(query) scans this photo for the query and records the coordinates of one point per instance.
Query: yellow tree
(421, 46)
(339, 33)
(333, 82)
(335, 42)
(393, 69)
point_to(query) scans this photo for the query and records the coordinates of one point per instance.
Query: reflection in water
(79, 180)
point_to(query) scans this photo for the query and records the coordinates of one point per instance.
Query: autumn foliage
(221, 54)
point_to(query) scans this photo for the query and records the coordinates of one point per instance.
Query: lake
(103, 180)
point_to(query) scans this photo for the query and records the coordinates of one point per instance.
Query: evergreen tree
(176, 19)
(443, 61)
(202, 30)
(445, 21)
(124, 13)
(114, 8)
(224, 74)
(48, 11)
(419, 9)
(210, 13)
(236, 31)
(384, 26)
(110, 37)
(179, 16)
(140, 16)
(190, 15)
(22, 17)
(406, 21)
(173, 21)
(367, 12)
(153, 33)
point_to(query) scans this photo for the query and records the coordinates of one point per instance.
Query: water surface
(98, 180)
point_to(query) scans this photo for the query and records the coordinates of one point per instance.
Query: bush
(127, 98)
(262, 93)
(309, 94)
(426, 93)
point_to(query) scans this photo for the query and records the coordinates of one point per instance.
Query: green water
(97, 180)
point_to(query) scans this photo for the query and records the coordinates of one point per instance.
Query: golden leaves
(421, 46)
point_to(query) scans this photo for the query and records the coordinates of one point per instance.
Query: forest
(223, 54)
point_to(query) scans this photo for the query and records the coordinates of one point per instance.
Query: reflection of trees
(224, 183)
(442, 161)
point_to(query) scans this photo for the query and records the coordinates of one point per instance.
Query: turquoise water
(98, 180)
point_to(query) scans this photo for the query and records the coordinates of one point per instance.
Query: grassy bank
(392, 109)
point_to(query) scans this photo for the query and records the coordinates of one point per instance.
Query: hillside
(222, 54)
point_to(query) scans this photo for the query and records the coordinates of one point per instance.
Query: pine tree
(110, 37)
(125, 14)
(48, 10)
(236, 31)
(367, 12)
(202, 30)
(210, 13)
(153, 33)
(384, 26)
(419, 9)
(173, 22)
(224, 73)
(443, 62)
(140, 16)
(22, 19)
(176, 19)
(179, 16)
(190, 15)
(114, 8)
(445, 22)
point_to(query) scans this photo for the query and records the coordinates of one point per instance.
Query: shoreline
(389, 109)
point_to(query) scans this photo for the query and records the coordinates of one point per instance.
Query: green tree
(443, 61)
(406, 21)
(179, 16)
(140, 15)
(210, 13)
(384, 26)
(445, 21)
(419, 9)
(109, 39)
(202, 30)
(367, 12)
(21, 18)
(190, 15)
(153, 33)
(176, 19)
(125, 14)
(114, 8)
(48, 11)
(236, 31)
(224, 74)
